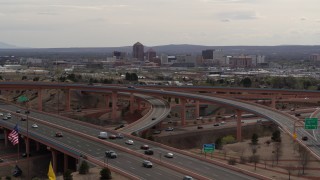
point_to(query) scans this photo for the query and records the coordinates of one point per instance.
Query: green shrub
(84, 168)
(105, 174)
(228, 139)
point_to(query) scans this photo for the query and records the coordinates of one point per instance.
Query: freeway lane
(160, 111)
(125, 161)
(203, 168)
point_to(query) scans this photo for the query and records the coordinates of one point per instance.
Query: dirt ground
(267, 166)
(94, 173)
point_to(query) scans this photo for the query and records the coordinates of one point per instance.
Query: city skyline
(97, 23)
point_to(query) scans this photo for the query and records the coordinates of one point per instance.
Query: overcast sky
(111, 23)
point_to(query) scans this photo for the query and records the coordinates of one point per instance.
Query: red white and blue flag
(14, 135)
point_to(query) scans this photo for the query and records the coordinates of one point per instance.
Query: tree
(254, 139)
(84, 168)
(218, 143)
(246, 82)
(277, 151)
(276, 136)
(67, 175)
(254, 159)
(23, 77)
(36, 79)
(105, 174)
(304, 158)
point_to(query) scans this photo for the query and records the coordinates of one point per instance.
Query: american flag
(14, 136)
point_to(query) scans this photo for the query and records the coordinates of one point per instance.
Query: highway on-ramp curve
(191, 164)
(125, 161)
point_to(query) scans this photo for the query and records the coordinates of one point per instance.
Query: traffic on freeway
(191, 164)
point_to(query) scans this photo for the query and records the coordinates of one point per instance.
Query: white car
(34, 125)
(169, 155)
(1, 114)
(129, 142)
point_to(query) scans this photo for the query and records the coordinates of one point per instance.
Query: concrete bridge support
(27, 141)
(5, 132)
(139, 104)
(54, 155)
(183, 112)
(273, 102)
(197, 111)
(39, 99)
(107, 102)
(65, 162)
(67, 100)
(239, 124)
(131, 103)
(114, 105)
(37, 146)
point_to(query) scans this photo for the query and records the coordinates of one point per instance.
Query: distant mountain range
(283, 52)
(7, 46)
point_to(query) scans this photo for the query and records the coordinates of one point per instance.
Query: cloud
(225, 20)
(303, 19)
(98, 7)
(48, 13)
(229, 1)
(241, 15)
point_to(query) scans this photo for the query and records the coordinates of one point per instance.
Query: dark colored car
(145, 147)
(153, 118)
(25, 154)
(121, 126)
(169, 129)
(23, 119)
(27, 112)
(200, 127)
(18, 111)
(157, 132)
(216, 124)
(148, 152)
(59, 134)
(111, 154)
(112, 136)
(304, 138)
(120, 136)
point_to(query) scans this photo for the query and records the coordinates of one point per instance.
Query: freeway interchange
(81, 138)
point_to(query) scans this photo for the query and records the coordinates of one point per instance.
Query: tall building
(240, 61)
(207, 54)
(150, 54)
(315, 57)
(138, 51)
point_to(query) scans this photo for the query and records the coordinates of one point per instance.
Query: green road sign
(208, 148)
(311, 123)
(22, 99)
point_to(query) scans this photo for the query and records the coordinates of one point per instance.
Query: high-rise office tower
(138, 51)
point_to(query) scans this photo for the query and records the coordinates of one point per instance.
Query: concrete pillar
(5, 132)
(131, 103)
(139, 104)
(239, 124)
(65, 162)
(40, 99)
(37, 146)
(107, 102)
(197, 112)
(114, 105)
(54, 160)
(67, 95)
(27, 141)
(183, 111)
(273, 102)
